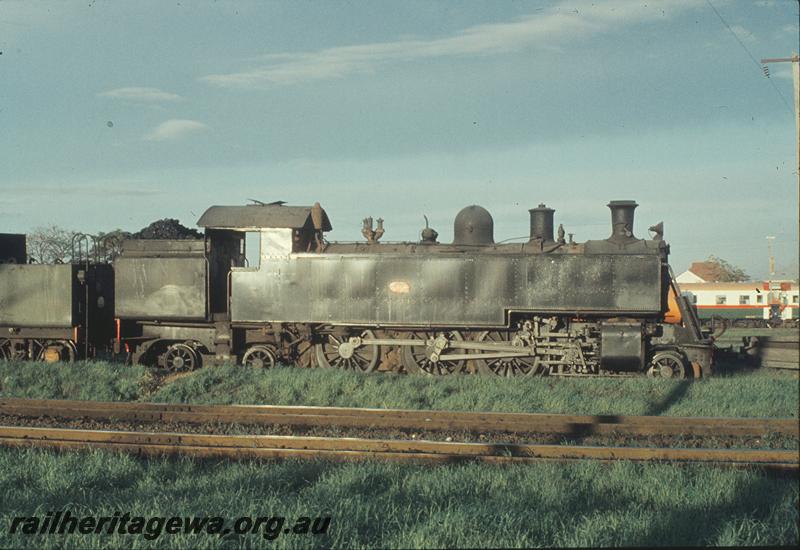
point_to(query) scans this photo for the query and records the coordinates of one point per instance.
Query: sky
(116, 114)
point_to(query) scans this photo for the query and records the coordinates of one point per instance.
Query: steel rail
(267, 446)
(423, 420)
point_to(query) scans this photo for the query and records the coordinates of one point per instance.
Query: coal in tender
(167, 228)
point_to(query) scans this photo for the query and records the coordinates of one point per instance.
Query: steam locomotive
(546, 306)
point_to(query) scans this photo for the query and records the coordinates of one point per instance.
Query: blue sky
(118, 114)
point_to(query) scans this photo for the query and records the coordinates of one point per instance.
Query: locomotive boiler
(544, 306)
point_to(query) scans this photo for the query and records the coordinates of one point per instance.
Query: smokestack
(622, 220)
(542, 223)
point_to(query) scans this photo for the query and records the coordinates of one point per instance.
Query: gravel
(770, 442)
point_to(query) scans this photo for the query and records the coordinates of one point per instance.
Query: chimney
(542, 223)
(622, 220)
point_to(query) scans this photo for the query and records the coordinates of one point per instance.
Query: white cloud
(175, 129)
(547, 29)
(148, 95)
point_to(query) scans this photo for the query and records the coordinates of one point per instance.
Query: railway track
(402, 419)
(265, 446)
(275, 446)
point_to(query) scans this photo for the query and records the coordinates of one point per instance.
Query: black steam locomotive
(545, 306)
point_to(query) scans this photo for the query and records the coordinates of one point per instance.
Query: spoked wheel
(417, 359)
(340, 352)
(261, 357)
(507, 366)
(667, 364)
(181, 357)
(13, 350)
(58, 350)
(304, 354)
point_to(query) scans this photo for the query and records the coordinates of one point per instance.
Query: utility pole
(770, 240)
(795, 61)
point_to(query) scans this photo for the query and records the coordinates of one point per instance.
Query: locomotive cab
(282, 229)
(272, 229)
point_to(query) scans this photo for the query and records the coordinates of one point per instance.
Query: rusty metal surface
(204, 334)
(454, 290)
(622, 344)
(635, 247)
(542, 224)
(475, 422)
(252, 446)
(622, 214)
(153, 248)
(255, 216)
(473, 226)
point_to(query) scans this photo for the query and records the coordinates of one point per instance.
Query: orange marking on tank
(673, 314)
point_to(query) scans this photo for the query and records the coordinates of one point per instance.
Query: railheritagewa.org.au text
(152, 527)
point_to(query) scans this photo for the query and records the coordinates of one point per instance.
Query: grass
(377, 504)
(391, 505)
(759, 394)
(93, 380)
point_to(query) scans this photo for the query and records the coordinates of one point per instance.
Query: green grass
(378, 504)
(759, 394)
(390, 505)
(92, 380)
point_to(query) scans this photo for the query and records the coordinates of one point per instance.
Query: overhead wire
(760, 67)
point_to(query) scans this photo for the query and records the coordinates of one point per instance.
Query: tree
(109, 245)
(725, 272)
(53, 244)
(50, 244)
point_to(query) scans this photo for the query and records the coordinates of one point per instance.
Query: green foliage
(746, 395)
(410, 506)
(93, 380)
(759, 394)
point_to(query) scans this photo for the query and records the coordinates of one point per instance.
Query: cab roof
(257, 216)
